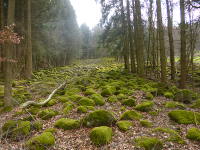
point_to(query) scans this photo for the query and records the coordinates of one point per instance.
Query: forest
(132, 82)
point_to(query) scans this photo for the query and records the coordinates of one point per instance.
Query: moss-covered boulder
(184, 117)
(98, 99)
(149, 143)
(52, 130)
(193, 134)
(62, 99)
(82, 109)
(108, 91)
(185, 96)
(145, 106)
(173, 104)
(173, 135)
(129, 102)
(149, 96)
(101, 135)
(16, 129)
(89, 91)
(131, 115)
(47, 114)
(121, 96)
(86, 102)
(146, 123)
(112, 99)
(67, 124)
(74, 98)
(67, 109)
(52, 102)
(169, 95)
(34, 110)
(99, 118)
(37, 125)
(196, 104)
(41, 142)
(124, 125)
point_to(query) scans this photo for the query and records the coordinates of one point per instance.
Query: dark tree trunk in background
(130, 36)
(139, 33)
(163, 60)
(171, 40)
(1, 26)
(28, 52)
(124, 38)
(8, 54)
(183, 46)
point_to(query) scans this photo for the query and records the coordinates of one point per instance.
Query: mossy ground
(102, 94)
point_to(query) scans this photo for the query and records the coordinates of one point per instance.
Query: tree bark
(171, 39)
(1, 26)
(139, 35)
(8, 54)
(183, 46)
(163, 61)
(130, 35)
(28, 52)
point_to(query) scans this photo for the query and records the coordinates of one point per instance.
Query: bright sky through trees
(87, 11)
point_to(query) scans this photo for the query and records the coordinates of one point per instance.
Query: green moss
(149, 143)
(74, 98)
(16, 129)
(169, 95)
(185, 96)
(41, 142)
(37, 125)
(131, 115)
(129, 102)
(108, 91)
(145, 106)
(146, 123)
(149, 96)
(121, 96)
(52, 130)
(112, 99)
(196, 104)
(67, 124)
(63, 99)
(33, 110)
(82, 109)
(86, 102)
(6, 109)
(172, 104)
(67, 109)
(99, 118)
(174, 136)
(90, 108)
(101, 135)
(193, 134)
(47, 114)
(98, 99)
(89, 91)
(124, 125)
(184, 117)
(154, 113)
(51, 102)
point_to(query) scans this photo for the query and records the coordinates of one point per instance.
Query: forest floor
(93, 77)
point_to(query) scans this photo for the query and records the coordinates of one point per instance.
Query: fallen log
(33, 103)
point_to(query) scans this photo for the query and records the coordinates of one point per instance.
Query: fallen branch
(33, 103)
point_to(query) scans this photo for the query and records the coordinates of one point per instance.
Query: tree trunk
(28, 52)
(183, 46)
(163, 61)
(124, 38)
(8, 54)
(171, 40)
(130, 35)
(1, 26)
(140, 39)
